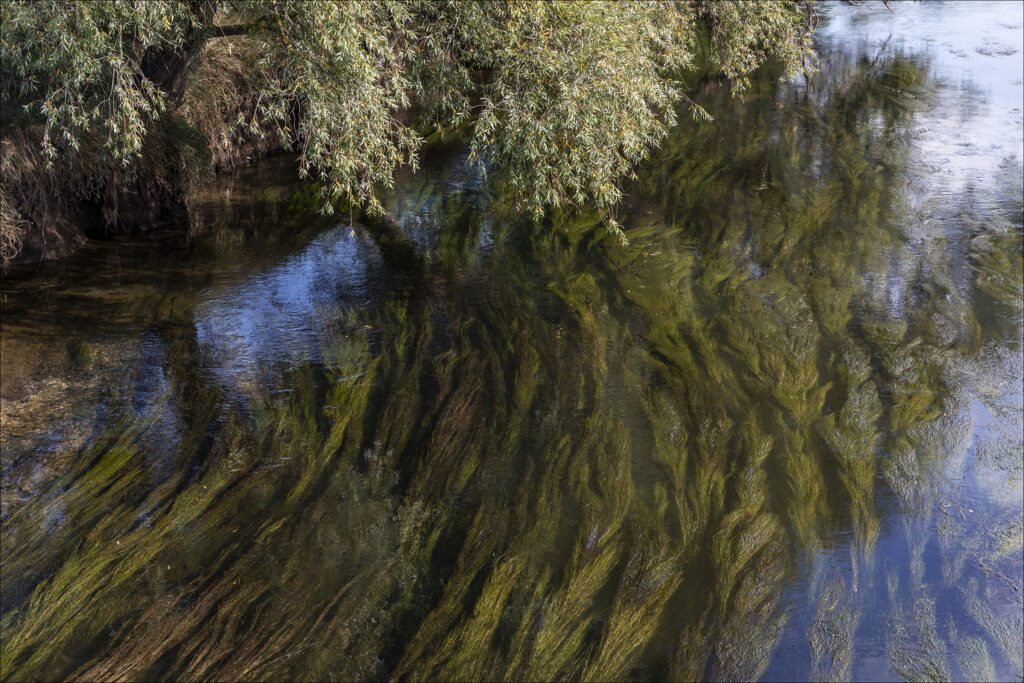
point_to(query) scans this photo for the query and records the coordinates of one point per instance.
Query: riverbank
(48, 211)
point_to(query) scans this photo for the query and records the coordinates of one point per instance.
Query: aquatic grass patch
(545, 454)
(853, 435)
(971, 655)
(914, 647)
(831, 633)
(1006, 631)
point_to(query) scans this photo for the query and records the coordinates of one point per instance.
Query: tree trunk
(169, 71)
(169, 68)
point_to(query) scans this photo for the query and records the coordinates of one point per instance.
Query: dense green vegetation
(561, 99)
(777, 432)
(579, 460)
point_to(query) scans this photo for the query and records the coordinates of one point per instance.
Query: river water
(777, 435)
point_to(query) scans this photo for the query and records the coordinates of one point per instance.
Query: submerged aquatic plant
(544, 454)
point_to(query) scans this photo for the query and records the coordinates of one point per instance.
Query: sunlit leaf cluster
(560, 99)
(81, 66)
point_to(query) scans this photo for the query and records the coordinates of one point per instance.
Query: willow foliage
(559, 98)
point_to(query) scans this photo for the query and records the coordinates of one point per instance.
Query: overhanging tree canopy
(561, 98)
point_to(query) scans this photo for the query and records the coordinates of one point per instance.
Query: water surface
(777, 435)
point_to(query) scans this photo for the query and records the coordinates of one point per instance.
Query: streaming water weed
(761, 427)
